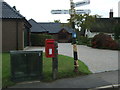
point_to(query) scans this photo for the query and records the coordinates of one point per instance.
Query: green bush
(83, 40)
(116, 30)
(39, 39)
(118, 41)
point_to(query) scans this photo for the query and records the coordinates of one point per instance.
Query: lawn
(6, 70)
(65, 68)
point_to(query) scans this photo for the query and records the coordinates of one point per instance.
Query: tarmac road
(98, 60)
(93, 82)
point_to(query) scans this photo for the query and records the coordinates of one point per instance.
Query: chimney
(111, 13)
(14, 7)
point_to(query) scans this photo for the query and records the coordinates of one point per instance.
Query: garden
(100, 41)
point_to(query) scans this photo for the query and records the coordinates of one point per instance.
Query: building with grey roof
(15, 29)
(36, 28)
(60, 31)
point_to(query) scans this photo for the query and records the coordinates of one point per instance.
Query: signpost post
(72, 13)
(74, 38)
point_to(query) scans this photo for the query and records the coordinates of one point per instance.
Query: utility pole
(72, 15)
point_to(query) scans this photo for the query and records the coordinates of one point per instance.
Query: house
(59, 31)
(103, 25)
(15, 29)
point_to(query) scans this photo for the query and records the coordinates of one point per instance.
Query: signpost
(60, 11)
(79, 11)
(85, 2)
(72, 13)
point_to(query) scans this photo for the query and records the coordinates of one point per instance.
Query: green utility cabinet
(26, 65)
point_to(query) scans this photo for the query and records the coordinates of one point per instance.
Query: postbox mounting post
(55, 62)
(51, 51)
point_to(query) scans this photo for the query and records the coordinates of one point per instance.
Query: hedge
(83, 40)
(39, 39)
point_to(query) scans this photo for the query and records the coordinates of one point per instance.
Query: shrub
(83, 40)
(116, 30)
(104, 41)
(118, 41)
(39, 39)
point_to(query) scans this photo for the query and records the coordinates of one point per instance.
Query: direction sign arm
(60, 11)
(85, 2)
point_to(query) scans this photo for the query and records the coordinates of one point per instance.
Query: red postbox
(49, 48)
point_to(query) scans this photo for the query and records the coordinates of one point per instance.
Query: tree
(57, 21)
(84, 20)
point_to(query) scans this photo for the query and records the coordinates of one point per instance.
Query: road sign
(80, 11)
(74, 35)
(60, 11)
(85, 2)
(77, 4)
(83, 11)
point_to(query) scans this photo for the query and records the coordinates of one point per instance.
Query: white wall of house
(111, 34)
(92, 34)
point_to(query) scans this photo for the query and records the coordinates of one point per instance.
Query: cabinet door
(34, 63)
(26, 65)
(18, 65)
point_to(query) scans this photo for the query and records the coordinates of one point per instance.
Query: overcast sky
(40, 10)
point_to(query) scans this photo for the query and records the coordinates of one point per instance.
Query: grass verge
(65, 68)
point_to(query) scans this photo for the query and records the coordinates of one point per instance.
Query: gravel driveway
(96, 59)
